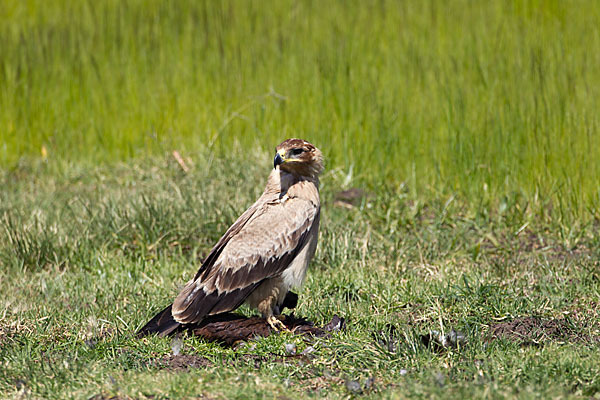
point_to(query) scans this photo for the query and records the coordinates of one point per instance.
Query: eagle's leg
(267, 298)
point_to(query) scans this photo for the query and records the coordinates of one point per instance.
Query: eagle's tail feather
(162, 324)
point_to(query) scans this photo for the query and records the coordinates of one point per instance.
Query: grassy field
(90, 255)
(472, 129)
(479, 98)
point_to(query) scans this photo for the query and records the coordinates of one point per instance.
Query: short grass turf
(90, 254)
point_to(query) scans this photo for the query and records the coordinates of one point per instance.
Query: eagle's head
(298, 157)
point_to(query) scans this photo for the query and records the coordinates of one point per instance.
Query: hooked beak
(278, 160)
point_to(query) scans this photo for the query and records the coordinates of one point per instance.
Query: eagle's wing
(259, 245)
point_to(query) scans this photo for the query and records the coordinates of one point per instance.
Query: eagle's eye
(297, 151)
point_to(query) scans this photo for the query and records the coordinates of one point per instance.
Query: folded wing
(259, 245)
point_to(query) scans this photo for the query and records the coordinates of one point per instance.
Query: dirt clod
(438, 341)
(353, 386)
(336, 324)
(290, 349)
(536, 331)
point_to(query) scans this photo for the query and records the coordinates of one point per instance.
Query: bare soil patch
(182, 362)
(536, 331)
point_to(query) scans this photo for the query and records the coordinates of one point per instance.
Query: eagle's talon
(277, 325)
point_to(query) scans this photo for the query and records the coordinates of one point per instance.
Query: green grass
(473, 127)
(90, 254)
(480, 98)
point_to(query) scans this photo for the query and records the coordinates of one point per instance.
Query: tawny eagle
(265, 252)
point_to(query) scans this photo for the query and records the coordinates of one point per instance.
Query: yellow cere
(281, 152)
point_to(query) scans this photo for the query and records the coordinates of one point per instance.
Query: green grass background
(472, 125)
(482, 98)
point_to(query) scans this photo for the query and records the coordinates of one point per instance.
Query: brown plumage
(264, 253)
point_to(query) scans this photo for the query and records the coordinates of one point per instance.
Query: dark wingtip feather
(162, 324)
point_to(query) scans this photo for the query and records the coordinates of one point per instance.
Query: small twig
(180, 161)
